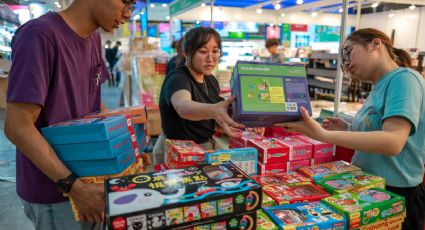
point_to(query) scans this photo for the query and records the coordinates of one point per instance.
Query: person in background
(56, 74)
(388, 132)
(276, 56)
(110, 58)
(190, 105)
(116, 65)
(177, 60)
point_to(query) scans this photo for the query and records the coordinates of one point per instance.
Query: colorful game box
(185, 152)
(85, 130)
(298, 149)
(270, 151)
(268, 93)
(132, 169)
(393, 223)
(287, 178)
(151, 196)
(289, 194)
(245, 158)
(101, 167)
(264, 222)
(366, 207)
(271, 168)
(351, 182)
(306, 216)
(246, 221)
(94, 150)
(322, 171)
(320, 149)
(323, 160)
(267, 201)
(136, 113)
(295, 165)
(243, 141)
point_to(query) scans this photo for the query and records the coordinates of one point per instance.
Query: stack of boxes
(272, 155)
(182, 154)
(245, 159)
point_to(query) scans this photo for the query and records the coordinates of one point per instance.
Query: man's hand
(89, 201)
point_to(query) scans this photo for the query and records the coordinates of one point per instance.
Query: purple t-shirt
(54, 67)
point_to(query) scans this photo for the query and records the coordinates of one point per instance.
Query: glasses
(346, 57)
(130, 6)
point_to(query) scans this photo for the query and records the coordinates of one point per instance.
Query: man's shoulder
(42, 26)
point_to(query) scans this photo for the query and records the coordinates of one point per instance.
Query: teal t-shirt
(400, 93)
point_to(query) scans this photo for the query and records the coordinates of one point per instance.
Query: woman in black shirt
(189, 103)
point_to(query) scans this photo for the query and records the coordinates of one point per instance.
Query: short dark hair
(196, 38)
(272, 42)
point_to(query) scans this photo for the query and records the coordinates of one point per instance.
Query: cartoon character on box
(346, 201)
(289, 216)
(264, 94)
(304, 191)
(250, 91)
(340, 183)
(320, 170)
(373, 196)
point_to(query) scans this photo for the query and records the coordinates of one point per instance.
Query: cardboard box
(298, 149)
(322, 171)
(351, 182)
(366, 207)
(320, 149)
(295, 165)
(289, 194)
(103, 166)
(136, 113)
(271, 168)
(185, 152)
(318, 161)
(279, 132)
(154, 197)
(270, 151)
(268, 93)
(264, 222)
(244, 158)
(94, 150)
(132, 169)
(243, 142)
(267, 201)
(85, 130)
(393, 223)
(305, 216)
(239, 221)
(288, 178)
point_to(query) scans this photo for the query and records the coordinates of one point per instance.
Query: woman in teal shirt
(388, 132)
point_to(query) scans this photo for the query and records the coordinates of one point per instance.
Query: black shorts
(415, 206)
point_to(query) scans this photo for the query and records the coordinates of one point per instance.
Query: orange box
(136, 113)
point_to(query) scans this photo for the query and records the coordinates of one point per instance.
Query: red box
(243, 142)
(270, 151)
(294, 165)
(298, 149)
(317, 161)
(289, 194)
(320, 149)
(280, 132)
(291, 178)
(271, 168)
(186, 153)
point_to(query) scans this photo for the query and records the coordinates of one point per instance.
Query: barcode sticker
(291, 106)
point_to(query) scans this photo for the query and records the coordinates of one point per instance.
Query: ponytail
(402, 58)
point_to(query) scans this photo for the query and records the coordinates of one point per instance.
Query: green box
(264, 222)
(366, 207)
(351, 182)
(267, 201)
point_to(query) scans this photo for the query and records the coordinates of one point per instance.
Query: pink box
(320, 149)
(271, 168)
(270, 151)
(243, 142)
(317, 161)
(294, 165)
(298, 149)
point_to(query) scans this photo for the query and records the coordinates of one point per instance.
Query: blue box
(103, 167)
(268, 93)
(142, 139)
(85, 130)
(244, 158)
(94, 150)
(306, 216)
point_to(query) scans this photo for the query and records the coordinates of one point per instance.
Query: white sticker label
(291, 106)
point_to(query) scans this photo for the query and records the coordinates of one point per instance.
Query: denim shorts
(57, 216)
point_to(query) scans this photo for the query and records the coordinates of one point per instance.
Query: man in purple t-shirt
(57, 69)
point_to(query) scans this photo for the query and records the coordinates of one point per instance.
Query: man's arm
(21, 131)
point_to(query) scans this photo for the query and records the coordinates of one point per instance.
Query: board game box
(264, 222)
(271, 168)
(306, 216)
(270, 151)
(243, 141)
(295, 165)
(287, 178)
(268, 93)
(298, 149)
(366, 207)
(320, 149)
(289, 194)
(85, 130)
(323, 160)
(351, 182)
(185, 152)
(136, 113)
(267, 201)
(175, 198)
(245, 158)
(246, 221)
(318, 172)
(393, 223)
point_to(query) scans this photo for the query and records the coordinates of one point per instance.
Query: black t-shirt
(173, 125)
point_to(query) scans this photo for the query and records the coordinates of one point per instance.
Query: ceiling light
(277, 6)
(412, 7)
(340, 10)
(203, 5)
(299, 2)
(164, 5)
(314, 14)
(376, 4)
(259, 11)
(152, 5)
